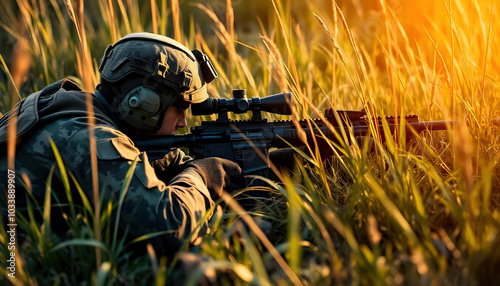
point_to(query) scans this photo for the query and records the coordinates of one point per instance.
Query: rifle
(247, 142)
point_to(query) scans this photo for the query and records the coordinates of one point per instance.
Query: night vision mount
(277, 103)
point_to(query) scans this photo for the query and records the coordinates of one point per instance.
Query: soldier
(147, 83)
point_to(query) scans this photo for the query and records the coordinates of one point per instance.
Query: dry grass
(424, 211)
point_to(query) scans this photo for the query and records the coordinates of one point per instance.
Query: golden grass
(376, 215)
(90, 81)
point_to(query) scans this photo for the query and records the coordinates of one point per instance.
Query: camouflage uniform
(150, 205)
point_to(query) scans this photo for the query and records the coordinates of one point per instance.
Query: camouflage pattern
(150, 205)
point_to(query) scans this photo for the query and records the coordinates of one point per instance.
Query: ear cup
(141, 108)
(144, 100)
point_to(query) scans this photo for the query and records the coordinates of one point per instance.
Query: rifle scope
(277, 103)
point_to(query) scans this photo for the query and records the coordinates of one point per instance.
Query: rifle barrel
(442, 125)
(432, 125)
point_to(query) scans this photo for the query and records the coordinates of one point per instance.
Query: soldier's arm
(150, 205)
(170, 165)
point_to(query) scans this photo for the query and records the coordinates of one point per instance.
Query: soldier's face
(175, 118)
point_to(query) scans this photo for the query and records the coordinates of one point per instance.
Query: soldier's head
(146, 76)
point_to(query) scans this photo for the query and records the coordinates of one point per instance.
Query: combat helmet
(148, 73)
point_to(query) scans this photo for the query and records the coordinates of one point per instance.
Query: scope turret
(277, 103)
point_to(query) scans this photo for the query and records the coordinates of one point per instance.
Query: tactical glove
(169, 166)
(218, 174)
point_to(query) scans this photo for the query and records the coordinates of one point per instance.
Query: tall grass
(377, 212)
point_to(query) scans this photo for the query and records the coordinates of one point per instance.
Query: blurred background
(41, 41)
(393, 216)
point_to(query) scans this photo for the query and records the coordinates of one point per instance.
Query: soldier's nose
(181, 122)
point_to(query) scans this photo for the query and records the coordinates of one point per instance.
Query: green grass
(426, 212)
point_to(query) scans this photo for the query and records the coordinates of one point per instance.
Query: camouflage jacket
(58, 112)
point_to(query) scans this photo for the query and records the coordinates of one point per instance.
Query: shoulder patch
(112, 144)
(125, 148)
(115, 148)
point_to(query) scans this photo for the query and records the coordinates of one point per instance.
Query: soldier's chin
(162, 132)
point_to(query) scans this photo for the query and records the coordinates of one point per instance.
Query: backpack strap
(27, 109)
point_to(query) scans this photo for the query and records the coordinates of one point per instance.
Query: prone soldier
(147, 83)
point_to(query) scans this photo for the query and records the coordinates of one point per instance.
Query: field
(424, 212)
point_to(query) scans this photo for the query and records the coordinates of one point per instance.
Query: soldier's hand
(218, 174)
